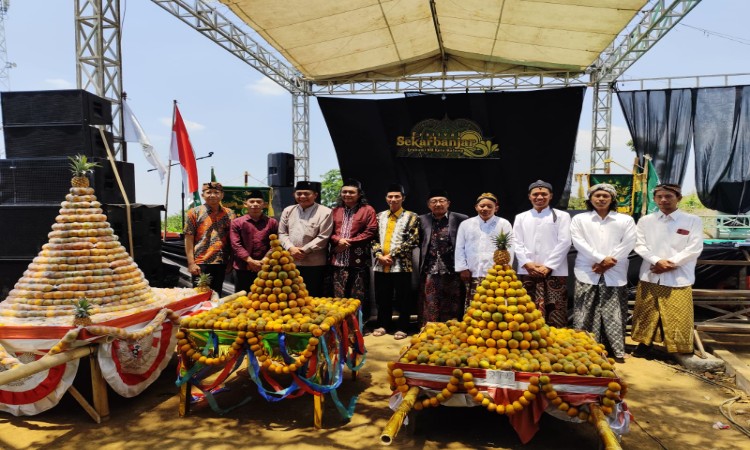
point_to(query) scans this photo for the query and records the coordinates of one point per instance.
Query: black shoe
(642, 351)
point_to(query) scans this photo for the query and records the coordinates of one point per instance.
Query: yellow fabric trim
(392, 218)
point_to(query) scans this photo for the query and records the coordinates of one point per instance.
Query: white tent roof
(329, 40)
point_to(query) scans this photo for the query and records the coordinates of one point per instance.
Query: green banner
(644, 183)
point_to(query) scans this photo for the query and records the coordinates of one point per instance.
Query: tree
(330, 187)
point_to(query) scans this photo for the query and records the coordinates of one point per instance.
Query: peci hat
(395, 187)
(255, 193)
(353, 183)
(305, 185)
(212, 185)
(540, 184)
(438, 193)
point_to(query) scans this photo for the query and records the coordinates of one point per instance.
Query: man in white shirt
(541, 241)
(604, 239)
(304, 230)
(475, 242)
(669, 241)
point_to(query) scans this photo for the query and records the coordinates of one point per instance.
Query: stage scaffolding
(99, 66)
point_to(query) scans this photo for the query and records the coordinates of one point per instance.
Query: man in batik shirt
(354, 227)
(398, 235)
(441, 291)
(207, 237)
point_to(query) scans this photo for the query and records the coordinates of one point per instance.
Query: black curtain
(722, 148)
(660, 124)
(536, 132)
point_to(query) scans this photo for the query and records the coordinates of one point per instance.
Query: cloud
(265, 86)
(59, 83)
(619, 151)
(191, 126)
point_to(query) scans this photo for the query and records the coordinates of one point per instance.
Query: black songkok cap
(353, 183)
(395, 187)
(255, 193)
(304, 186)
(437, 193)
(540, 184)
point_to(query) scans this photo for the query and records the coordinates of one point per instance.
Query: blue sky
(232, 110)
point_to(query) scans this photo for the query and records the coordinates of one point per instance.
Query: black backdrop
(536, 132)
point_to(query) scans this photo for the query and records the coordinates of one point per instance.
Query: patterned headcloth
(669, 187)
(213, 185)
(488, 196)
(602, 187)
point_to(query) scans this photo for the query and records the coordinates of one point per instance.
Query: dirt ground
(673, 410)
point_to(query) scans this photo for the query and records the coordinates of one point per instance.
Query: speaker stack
(281, 180)
(41, 129)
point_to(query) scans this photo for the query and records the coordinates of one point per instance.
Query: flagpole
(169, 175)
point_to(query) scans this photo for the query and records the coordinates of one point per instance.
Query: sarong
(550, 296)
(664, 314)
(441, 298)
(602, 310)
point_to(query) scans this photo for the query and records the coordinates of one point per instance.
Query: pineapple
(83, 313)
(502, 243)
(204, 281)
(80, 167)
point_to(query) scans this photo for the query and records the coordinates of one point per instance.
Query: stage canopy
(363, 39)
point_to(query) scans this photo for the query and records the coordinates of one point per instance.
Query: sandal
(399, 335)
(378, 331)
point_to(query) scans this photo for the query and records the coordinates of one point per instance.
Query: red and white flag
(181, 150)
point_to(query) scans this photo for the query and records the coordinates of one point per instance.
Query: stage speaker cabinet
(48, 141)
(280, 169)
(11, 270)
(47, 181)
(25, 228)
(59, 107)
(145, 223)
(282, 197)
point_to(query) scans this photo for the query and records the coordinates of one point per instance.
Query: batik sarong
(664, 314)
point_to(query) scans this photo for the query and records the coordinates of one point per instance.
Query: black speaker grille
(26, 228)
(70, 106)
(47, 181)
(47, 141)
(280, 169)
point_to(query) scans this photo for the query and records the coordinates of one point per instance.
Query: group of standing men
(334, 249)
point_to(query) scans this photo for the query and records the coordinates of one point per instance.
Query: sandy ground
(674, 410)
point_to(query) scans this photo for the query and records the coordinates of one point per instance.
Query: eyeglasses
(438, 201)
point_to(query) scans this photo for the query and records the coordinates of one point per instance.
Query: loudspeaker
(282, 197)
(47, 180)
(11, 271)
(24, 229)
(145, 224)
(71, 106)
(280, 169)
(47, 141)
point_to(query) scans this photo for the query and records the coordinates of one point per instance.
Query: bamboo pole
(609, 439)
(394, 424)
(44, 363)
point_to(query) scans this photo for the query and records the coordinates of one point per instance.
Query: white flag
(133, 132)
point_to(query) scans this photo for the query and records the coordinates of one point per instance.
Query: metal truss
(98, 56)
(205, 19)
(624, 51)
(684, 82)
(301, 135)
(453, 83)
(5, 65)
